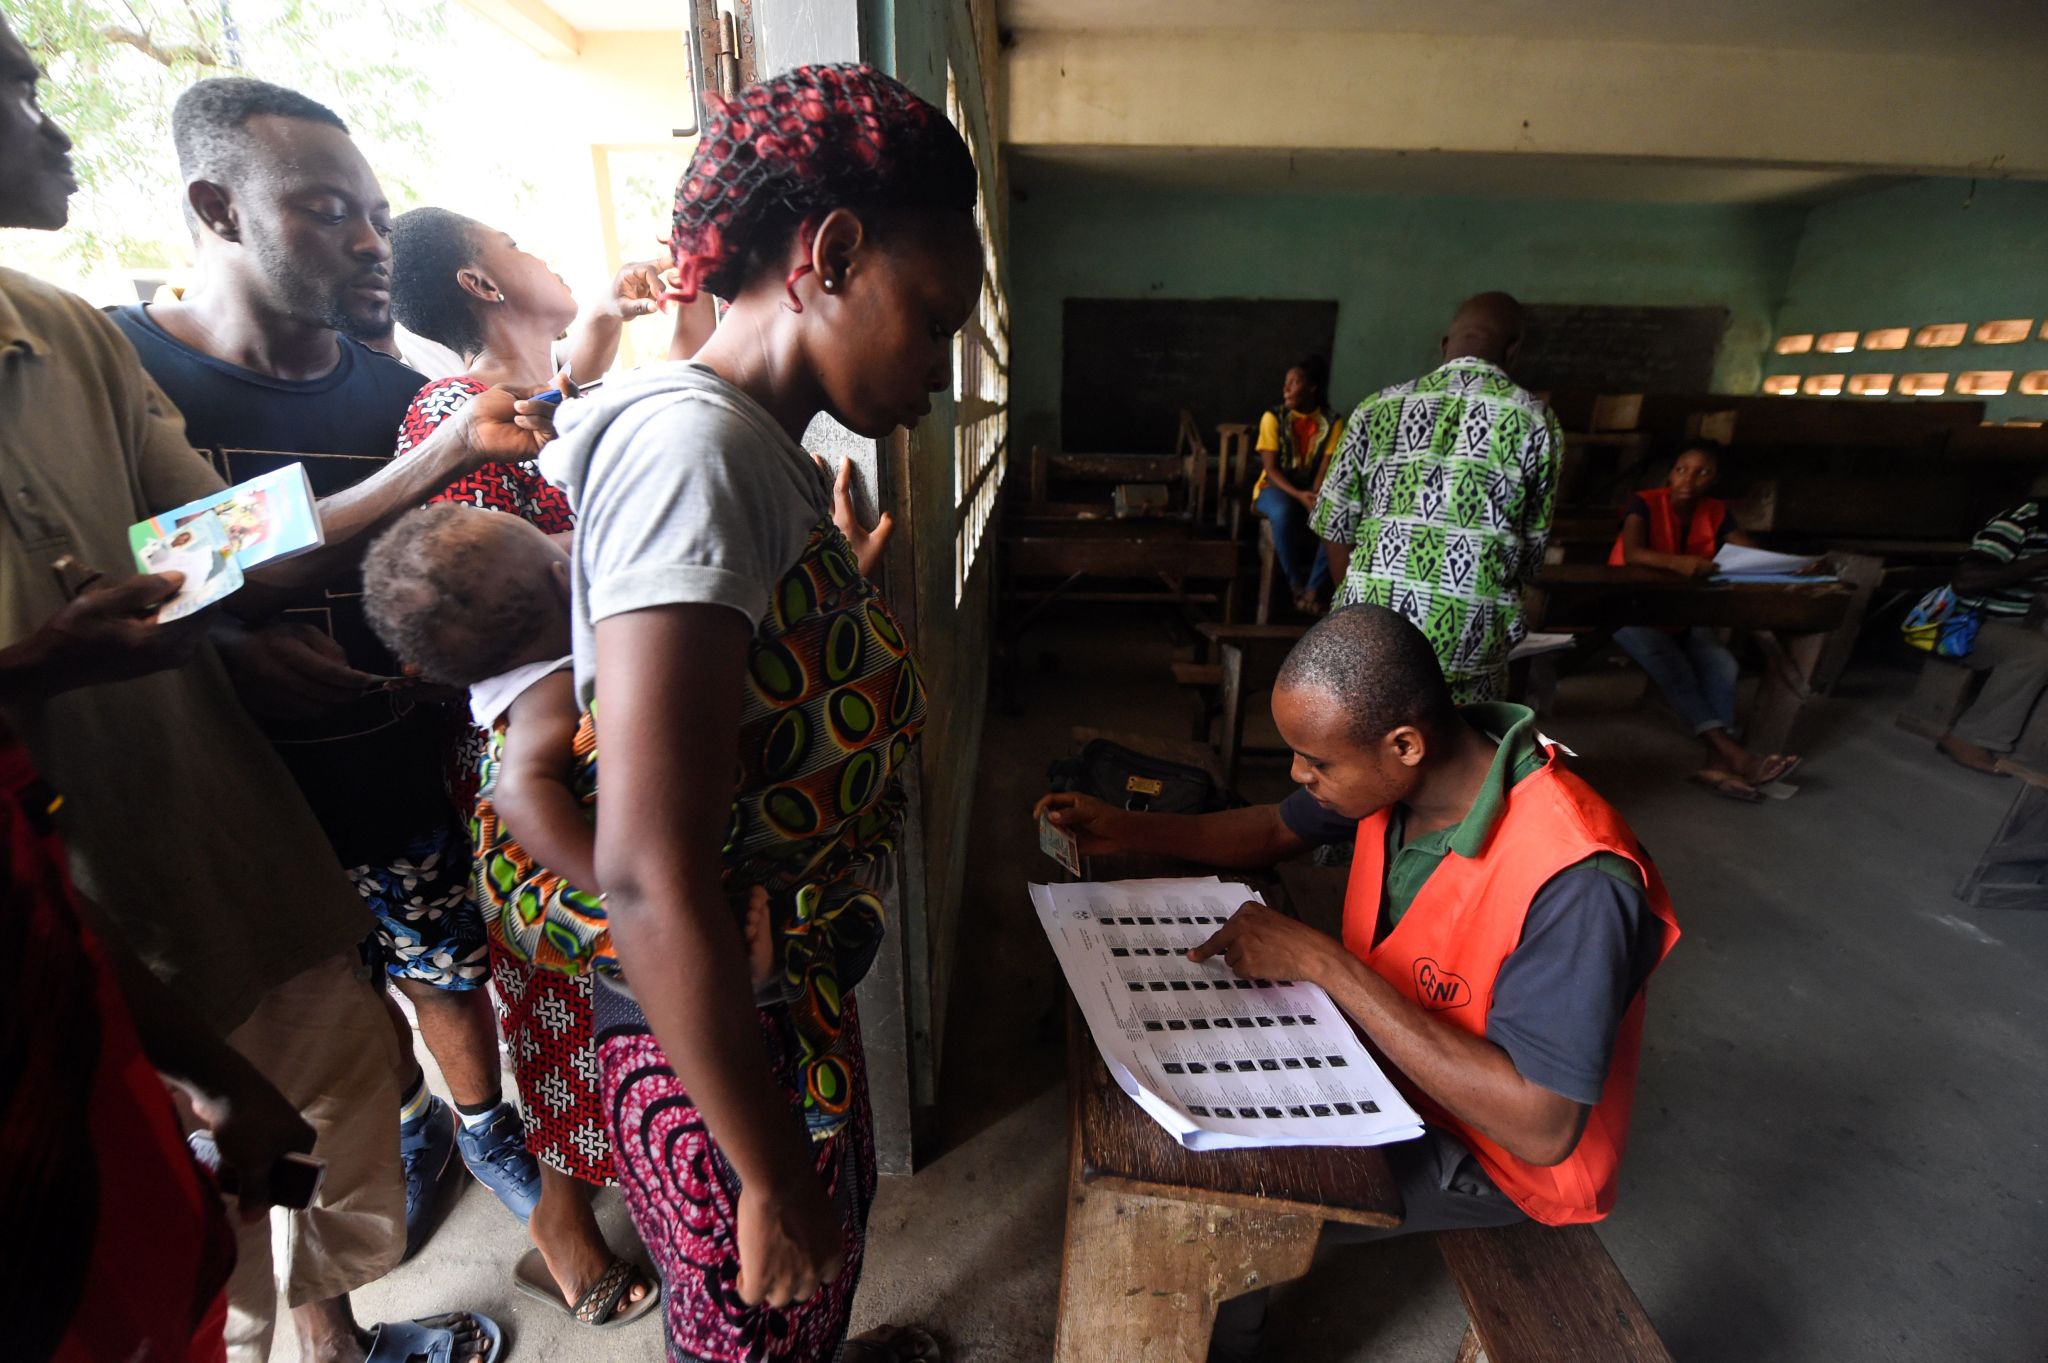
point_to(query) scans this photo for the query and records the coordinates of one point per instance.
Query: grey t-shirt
(686, 491)
(1587, 945)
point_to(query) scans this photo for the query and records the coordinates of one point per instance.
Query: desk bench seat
(1546, 1294)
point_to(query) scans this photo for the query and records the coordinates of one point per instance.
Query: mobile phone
(73, 577)
(295, 1179)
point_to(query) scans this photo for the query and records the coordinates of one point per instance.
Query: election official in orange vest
(1500, 923)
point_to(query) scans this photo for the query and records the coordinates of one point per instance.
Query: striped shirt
(2014, 534)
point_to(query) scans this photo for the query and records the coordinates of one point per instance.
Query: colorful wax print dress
(833, 701)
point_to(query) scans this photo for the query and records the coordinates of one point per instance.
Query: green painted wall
(916, 41)
(1919, 253)
(1397, 266)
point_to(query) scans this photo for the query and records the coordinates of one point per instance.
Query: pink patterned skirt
(684, 1194)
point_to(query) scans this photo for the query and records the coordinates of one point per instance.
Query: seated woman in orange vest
(1483, 867)
(1679, 528)
(1296, 440)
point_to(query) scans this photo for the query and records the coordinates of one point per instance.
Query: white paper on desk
(1219, 1062)
(1534, 644)
(1741, 558)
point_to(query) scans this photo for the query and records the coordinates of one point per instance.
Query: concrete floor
(1837, 1149)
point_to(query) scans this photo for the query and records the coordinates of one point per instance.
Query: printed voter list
(1220, 1062)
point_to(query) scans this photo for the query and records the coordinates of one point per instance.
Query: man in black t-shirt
(261, 357)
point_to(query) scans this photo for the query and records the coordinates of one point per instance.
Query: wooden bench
(1249, 657)
(1204, 681)
(1157, 1237)
(1546, 1294)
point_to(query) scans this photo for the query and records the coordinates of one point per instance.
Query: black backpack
(1130, 779)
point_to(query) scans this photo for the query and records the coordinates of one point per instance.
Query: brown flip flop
(1727, 785)
(596, 1306)
(1790, 765)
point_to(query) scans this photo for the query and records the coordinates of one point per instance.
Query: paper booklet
(269, 518)
(1220, 1062)
(199, 548)
(1739, 560)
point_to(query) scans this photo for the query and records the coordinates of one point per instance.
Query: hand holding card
(1059, 844)
(200, 550)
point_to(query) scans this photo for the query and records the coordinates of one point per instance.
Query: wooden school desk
(1158, 1235)
(1803, 628)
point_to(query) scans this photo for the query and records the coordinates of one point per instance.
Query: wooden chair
(1194, 453)
(2013, 872)
(1235, 474)
(1617, 412)
(1270, 576)
(1250, 657)
(1546, 1294)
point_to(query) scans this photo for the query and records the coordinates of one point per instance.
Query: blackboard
(1594, 347)
(1130, 365)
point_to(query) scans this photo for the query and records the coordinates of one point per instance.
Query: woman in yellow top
(1296, 440)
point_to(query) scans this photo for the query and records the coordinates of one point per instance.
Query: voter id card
(1059, 844)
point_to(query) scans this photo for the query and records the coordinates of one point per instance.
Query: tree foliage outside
(113, 68)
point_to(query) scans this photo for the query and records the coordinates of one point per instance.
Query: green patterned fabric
(833, 702)
(1444, 488)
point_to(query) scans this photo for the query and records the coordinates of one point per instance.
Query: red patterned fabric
(547, 1024)
(516, 489)
(846, 133)
(130, 1248)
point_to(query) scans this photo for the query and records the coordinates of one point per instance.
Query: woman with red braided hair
(755, 700)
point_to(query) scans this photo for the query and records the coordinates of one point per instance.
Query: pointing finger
(1217, 942)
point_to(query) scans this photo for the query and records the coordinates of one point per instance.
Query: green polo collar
(1518, 754)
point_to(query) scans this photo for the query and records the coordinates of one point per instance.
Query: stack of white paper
(1534, 644)
(1740, 560)
(1220, 1062)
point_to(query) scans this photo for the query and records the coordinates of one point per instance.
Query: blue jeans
(1694, 670)
(1301, 554)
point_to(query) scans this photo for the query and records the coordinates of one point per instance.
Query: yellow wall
(1416, 92)
(609, 111)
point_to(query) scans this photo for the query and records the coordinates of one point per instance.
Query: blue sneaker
(426, 1144)
(496, 1153)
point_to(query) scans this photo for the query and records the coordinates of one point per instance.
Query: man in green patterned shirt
(1438, 503)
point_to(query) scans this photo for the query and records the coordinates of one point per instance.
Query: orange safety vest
(1702, 536)
(1445, 953)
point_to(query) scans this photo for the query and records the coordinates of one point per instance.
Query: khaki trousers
(2015, 653)
(324, 1039)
